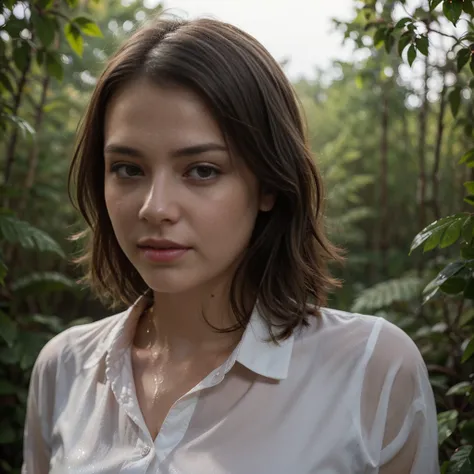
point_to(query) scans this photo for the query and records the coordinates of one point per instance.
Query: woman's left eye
(203, 172)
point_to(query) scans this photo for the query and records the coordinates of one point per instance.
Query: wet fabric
(349, 394)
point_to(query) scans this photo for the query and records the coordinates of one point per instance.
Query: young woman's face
(182, 211)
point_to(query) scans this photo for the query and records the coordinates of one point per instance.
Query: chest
(242, 423)
(159, 386)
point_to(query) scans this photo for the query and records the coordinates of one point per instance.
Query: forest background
(396, 150)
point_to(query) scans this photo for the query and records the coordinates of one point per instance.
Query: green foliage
(27, 236)
(388, 293)
(443, 327)
(344, 106)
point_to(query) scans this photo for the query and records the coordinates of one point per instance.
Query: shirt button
(146, 450)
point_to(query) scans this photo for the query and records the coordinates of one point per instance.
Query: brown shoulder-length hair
(285, 265)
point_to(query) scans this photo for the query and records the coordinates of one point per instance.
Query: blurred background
(387, 89)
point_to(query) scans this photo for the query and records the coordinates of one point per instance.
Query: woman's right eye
(123, 170)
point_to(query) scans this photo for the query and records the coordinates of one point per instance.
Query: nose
(160, 203)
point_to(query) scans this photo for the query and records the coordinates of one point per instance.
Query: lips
(161, 244)
(162, 251)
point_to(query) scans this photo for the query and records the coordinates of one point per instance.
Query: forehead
(144, 111)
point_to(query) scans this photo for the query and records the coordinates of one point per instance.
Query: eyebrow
(179, 153)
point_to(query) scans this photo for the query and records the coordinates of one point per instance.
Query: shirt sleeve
(398, 411)
(39, 413)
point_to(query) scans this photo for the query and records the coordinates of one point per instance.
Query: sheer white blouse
(348, 395)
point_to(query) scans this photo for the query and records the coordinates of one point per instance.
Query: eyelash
(116, 167)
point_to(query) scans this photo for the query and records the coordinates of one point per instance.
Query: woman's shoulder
(77, 345)
(362, 337)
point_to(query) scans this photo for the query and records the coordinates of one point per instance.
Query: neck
(178, 324)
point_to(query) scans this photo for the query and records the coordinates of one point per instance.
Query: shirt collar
(256, 350)
(261, 355)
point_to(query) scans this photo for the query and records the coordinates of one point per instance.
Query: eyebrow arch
(181, 152)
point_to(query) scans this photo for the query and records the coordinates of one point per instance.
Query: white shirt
(347, 395)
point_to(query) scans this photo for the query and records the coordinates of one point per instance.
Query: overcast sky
(300, 30)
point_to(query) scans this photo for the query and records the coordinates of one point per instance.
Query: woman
(204, 207)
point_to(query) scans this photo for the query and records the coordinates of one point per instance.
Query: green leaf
(6, 83)
(387, 293)
(401, 23)
(79, 321)
(45, 4)
(16, 231)
(389, 41)
(462, 58)
(40, 55)
(453, 286)
(74, 38)
(87, 26)
(41, 283)
(469, 351)
(452, 10)
(467, 430)
(53, 323)
(454, 98)
(8, 329)
(403, 42)
(433, 240)
(45, 28)
(468, 230)
(469, 199)
(434, 4)
(451, 234)
(25, 128)
(469, 289)
(468, 129)
(459, 462)
(444, 467)
(447, 422)
(379, 36)
(447, 272)
(471, 64)
(411, 55)
(469, 185)
(466, 317)
(468, 7)
(468, 157)
(72, 3)
(21, 55)
(14, 26)
(422, 44)
(54, 65)
(438, 226)
(462, 388)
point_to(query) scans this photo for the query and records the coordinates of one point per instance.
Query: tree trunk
(439, 140)
(421, 191)
(33, 154)
(11, 144)
(383, 206)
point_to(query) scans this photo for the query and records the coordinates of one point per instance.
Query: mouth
(160, 245)
(161, 250)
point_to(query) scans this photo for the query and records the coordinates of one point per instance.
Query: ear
(267, 201)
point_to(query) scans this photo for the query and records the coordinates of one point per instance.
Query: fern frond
(27, 236)
(43, 282)
(385, 294)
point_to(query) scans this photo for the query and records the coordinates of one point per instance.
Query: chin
(171, 281)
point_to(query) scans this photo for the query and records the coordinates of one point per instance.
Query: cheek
(120, 210)
(229, 221)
